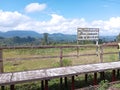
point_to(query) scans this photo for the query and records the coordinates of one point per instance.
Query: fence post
(73, 86)
(101, 54)
(61, 82)
(118, 74)
(102, 75)
(1, 61)
(95, 78)
(42, 85)
(86, 78)
(118, 50)
(97, 50)
(113, 75)
(66, 84)
(77, 51)
(1, 66)
(46, 85)
(12, 87)
(61, 56)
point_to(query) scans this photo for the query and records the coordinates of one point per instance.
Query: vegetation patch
(65, 62)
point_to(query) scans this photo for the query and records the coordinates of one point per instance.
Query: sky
(60, 16)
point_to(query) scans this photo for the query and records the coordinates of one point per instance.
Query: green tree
(118, 37)
(45, 39)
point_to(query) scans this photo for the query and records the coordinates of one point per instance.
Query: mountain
(62, 37)
(19, 33)
(108, 38)
(57, 37)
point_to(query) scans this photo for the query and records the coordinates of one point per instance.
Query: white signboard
(88, 34)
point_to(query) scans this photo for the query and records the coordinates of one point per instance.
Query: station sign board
(88, 34)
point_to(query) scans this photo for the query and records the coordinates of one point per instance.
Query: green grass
(117, 85)
(22, 65)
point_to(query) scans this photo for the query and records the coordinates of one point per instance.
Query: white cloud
(109, 27)
(34, 7)
(9, 20)
(56, 19)
(57, 24)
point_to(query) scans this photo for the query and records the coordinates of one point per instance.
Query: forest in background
(16, 38)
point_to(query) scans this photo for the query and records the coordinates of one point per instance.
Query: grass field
(22, 65)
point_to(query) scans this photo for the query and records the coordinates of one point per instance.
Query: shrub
(103, 85)
(65, 62)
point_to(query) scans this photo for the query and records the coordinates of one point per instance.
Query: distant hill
(108, 38)
(58, 37)
(19, 33)
(62, 37)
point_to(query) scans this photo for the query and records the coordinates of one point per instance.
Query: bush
(65, 62)
(103, 85)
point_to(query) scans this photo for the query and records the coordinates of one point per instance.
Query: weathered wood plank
(64, 71)
(5, 78)
(46, 46)
(28, 76)
(45, 74)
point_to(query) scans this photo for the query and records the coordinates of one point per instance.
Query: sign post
(88, 34)
(119, 50)
(1, 61)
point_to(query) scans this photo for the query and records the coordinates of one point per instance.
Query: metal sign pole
(119, 50)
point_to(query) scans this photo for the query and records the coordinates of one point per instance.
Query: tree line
(16, 41)
(45, 40)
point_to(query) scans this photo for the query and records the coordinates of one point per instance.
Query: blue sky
(60, 16)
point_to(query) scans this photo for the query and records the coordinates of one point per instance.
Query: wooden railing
(99, 50)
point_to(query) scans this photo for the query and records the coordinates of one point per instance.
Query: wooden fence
(99, 50)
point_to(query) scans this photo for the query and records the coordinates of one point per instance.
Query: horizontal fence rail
(46, 46)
